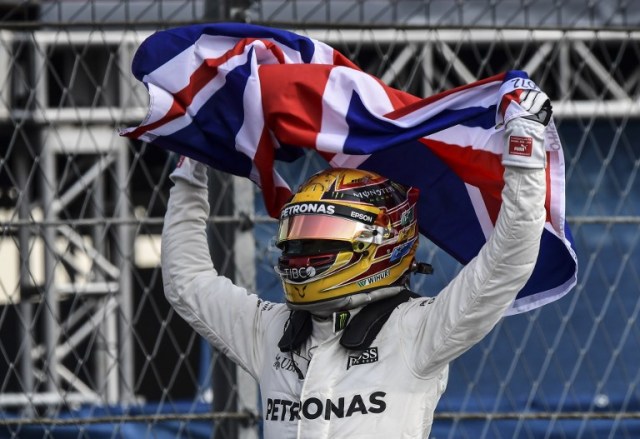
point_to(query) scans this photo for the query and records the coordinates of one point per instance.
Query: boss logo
(366, 357)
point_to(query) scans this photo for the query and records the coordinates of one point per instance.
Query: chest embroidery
(368, 356)
(289, 362)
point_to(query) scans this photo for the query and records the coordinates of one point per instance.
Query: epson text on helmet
(361, 216)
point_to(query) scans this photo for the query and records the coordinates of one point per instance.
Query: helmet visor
(325, 227)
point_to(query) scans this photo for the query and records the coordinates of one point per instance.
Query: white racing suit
(389, 390)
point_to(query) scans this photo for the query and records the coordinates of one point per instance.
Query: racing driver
(352, 353)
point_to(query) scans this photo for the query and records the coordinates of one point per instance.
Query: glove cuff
(191, 171)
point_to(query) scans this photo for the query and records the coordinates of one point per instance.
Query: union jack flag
(240, 97)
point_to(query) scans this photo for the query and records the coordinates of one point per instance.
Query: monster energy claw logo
(340, 320)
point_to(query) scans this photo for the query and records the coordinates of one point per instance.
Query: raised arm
(226, 315)
(475, 300)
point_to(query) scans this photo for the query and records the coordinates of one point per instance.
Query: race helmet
(345, 234)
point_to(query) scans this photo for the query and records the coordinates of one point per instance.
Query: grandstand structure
(82, 316)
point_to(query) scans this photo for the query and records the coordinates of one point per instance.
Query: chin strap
(296, 330)
(359, 333)
(364, 327)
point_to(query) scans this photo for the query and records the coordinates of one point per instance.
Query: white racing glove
(524, 136)
(191, 171)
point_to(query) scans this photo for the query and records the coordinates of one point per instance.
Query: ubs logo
(284, 363)
(367, 356)
(296, 362)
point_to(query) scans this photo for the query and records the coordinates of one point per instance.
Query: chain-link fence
(89, 346)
